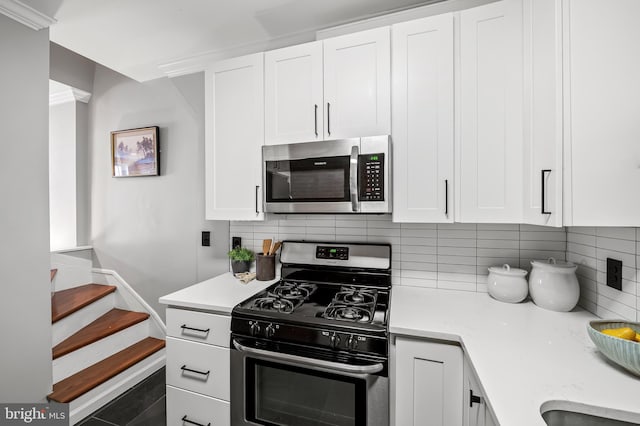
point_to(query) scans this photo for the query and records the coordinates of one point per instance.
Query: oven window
(308, 180)
(285, 395)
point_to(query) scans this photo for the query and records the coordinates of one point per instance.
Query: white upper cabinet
(357, 80)
(423, 119)
(542, 171)
(490, 115)
(294, 109)
(234, 108)
(602, 128)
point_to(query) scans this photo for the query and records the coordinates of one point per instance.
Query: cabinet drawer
(198, 367)
(199, 326)
(197, 408)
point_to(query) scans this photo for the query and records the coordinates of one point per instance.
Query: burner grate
(352, 304)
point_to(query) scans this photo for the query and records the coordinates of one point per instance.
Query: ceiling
(138, 37)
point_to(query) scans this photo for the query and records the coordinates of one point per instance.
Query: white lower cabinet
(427, 379)
(198, 371)
(475, 412)
(185, 407)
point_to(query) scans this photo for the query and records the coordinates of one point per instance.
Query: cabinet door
(428, 388)
(543, 112)
(490, 126)
(474, 411)
(293, 94)
(357, 80)
(602, 93)
(422, 108)
(234, 120)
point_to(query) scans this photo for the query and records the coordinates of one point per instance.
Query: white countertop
(219, 294)
(523, 355)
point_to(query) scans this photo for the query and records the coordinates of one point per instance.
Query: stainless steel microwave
(338, 176)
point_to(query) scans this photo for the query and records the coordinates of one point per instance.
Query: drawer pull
(186, 420)
(206, 374)
(200, 330)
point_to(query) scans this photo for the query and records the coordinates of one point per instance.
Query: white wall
(25, 305)
(62, 175)
(148, 228)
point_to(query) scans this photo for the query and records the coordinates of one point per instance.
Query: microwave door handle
(311, 362)
(353, 178)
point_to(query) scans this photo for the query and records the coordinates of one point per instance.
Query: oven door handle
(312, 363)
(353, 178)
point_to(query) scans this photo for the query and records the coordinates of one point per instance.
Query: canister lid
(552, 263)
(507, 270)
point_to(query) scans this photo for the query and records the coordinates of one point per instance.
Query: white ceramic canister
(507, 284)
(553, 284)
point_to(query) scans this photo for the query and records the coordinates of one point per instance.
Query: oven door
(314, 177)
(275, 388)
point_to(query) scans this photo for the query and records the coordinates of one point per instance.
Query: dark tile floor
(142, 405)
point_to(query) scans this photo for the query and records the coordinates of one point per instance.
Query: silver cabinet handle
(542, 190)
(328, 118)
(353, 184)
(310, 362)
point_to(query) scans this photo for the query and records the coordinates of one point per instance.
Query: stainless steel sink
(567, 413)
(570, 418)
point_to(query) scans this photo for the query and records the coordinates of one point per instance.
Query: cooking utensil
(275, 247)
(266, 246)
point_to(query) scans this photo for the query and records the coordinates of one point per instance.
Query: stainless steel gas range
(313, 348)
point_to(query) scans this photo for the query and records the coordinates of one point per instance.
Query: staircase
(105, 338)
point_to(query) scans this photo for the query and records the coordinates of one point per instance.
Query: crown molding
(199, 62)
(68, 95)
(26, 15)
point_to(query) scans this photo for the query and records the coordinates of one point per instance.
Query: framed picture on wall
(135, 152)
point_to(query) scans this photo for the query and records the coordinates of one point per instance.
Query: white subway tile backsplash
(589, 248)
(456, 256)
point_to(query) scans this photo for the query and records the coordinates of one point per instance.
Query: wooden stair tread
(83, 381)
(66, 302)
(53, 273)
(108, 324)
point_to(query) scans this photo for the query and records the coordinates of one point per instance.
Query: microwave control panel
(371, 177)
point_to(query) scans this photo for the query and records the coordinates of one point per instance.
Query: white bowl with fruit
(619, 341)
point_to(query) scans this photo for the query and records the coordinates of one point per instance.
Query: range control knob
(254, 328)
(352, 343)
(334, 339)
(269, 331)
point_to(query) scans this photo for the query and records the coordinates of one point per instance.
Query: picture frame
(135, 152)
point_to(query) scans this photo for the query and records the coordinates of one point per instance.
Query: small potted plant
(241, 259)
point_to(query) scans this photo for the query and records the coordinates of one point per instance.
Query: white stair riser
(86, 404)
(79, 319)
(84, 357)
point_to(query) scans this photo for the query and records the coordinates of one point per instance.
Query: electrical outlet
(206, 238)
(614, 273)
(236, 242)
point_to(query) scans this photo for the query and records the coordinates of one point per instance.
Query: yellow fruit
(626, 333)
(637, 337)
